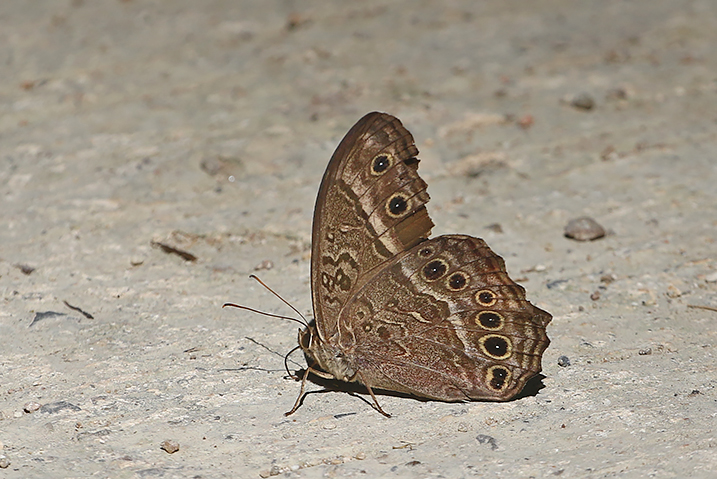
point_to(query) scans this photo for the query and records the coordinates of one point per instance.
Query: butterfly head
(325, 356)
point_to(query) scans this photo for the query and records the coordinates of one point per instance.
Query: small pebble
(26, 269)
(711, 278)
(136, 261)
(495, 227)
(31, 407)
(595, 295)
(296, 20)
(583, 101)
(645, 352)
(485, 439)
(170, 446)
(584, 229)
(608, 154)
(526, 121)
(4, 462)
(616, 94)
(673, 291)
(266, 264)
(563, 361)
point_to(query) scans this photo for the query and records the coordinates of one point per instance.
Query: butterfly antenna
(282, 299)
(302, 321)
(247, 308)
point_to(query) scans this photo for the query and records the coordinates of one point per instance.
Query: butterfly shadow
(531, 389)
(356, 390)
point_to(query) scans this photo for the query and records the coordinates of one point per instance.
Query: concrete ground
(206, 127)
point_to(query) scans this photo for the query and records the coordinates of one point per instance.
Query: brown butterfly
(436, 318)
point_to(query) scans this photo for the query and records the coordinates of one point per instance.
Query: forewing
(370, 208)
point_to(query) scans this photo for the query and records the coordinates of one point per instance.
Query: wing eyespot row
(381, 163)
(434, 270)
(486, 298)
(426, 252)
(458, 281)
(496, 346)
(498, 377)
(397, 205)
(490, 320)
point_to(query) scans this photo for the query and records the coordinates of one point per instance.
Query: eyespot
(496, 346)
(486, 298)
(425, 252)
(458, 281)
(381, 163)
(489, 320)
(498, 377)
(434, 270)
(396, 205)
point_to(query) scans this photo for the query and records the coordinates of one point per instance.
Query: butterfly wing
(370, 207)
(444, 321)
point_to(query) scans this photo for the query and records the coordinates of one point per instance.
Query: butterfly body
(437, 318)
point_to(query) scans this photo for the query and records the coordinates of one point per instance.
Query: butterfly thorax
(326, 357)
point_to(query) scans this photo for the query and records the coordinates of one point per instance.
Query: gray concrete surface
(122, 122)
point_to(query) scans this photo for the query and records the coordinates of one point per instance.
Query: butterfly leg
(324, 375)
(321, 374)
(301, 393)
(373, 396)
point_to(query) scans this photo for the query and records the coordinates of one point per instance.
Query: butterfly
(437, 318)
